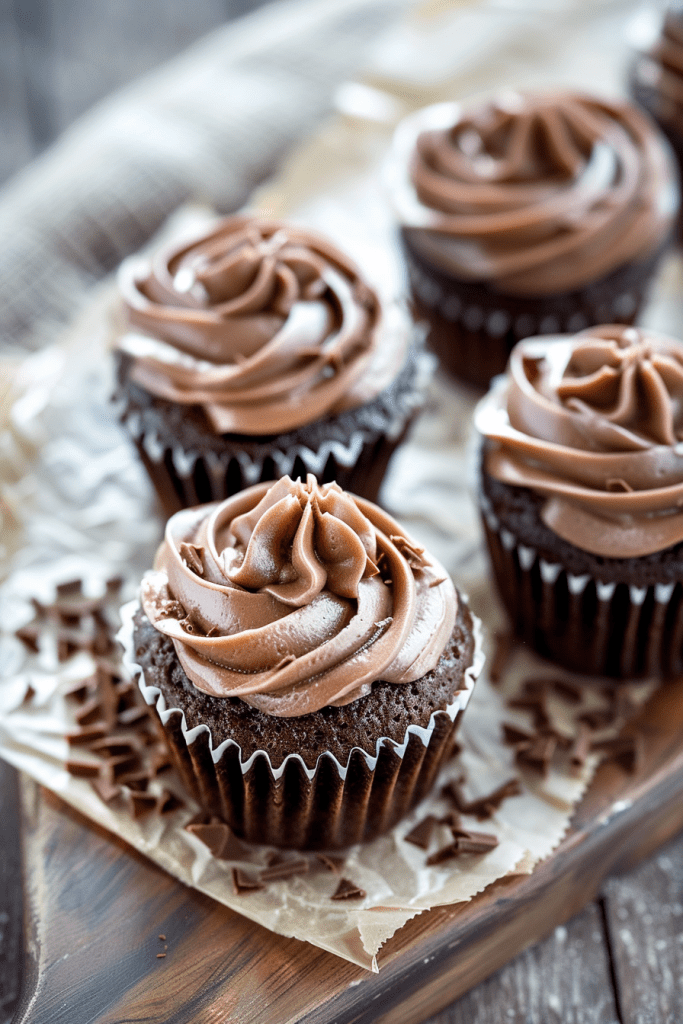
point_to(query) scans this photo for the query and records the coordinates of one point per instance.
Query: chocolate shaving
(466, 842)
(132, 715)
(421, 834)
(570, 692)
(514, 736)
(284, 869)
(485, 806)
(86, 735)
(220, 839)
(142, 803)
(331, 862)
(452, 819)
(501, 656)
(580, 747)
(598, 718)
(191, 554)
(243, 883)
(106, 790)
(627, 751)
(89, 712)
(168, 802)
(540, 754)
(347, 890)
(83, 769)
(138, 781)
(29, 694)
(29, 636)
(160, 956)
(536, 704)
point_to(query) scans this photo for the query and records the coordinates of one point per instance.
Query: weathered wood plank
(99, 909)
(562, 980)
(11, 937)
(644, 913)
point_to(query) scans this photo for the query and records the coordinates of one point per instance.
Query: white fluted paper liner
(153, 696)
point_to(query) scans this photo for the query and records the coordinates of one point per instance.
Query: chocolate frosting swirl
(661, 69)
(535, 194)
(595, 424)
(264, 325)
(297, 596)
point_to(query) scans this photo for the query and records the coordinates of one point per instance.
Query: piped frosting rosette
(537, 194)
(659, 71)
(264, 325)
(594, 423)
(294, 597)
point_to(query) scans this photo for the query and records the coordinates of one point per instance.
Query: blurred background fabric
(207, 125)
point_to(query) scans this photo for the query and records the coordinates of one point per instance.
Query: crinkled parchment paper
(74, 502)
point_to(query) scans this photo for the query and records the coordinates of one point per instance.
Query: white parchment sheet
(75, 502)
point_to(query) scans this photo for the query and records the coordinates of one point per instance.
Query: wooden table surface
(620, 961)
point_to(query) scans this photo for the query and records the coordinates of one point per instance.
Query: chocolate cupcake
(257, 351)
(581, 495)
(308, 661)
(528, 215)
(657, 79)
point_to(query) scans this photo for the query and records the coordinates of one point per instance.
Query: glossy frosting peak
(536, 194)
(594, 423)
(295, 596)
(264, 325)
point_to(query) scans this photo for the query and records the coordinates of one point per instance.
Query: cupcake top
(537, 194)
(297, 596)
(594, 424)
(266, 326)
(660, 68)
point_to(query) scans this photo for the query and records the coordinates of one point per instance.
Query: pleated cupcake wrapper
(474, 342)
(598, 627)
(185, 477)
(330, 806)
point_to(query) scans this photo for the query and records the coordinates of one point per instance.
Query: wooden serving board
(95, 910)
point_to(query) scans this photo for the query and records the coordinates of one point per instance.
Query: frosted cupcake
(526, 215)
(257, 351)
(582, 497)
(309, 662)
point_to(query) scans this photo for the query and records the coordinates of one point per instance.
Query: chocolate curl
(347, 890)
(535, 703)
(106, 790)
(142, 803)
(540, 754)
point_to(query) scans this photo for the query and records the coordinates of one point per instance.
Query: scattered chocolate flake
(162, 938)
(534, 703)
(623, 706)
(627, 751)
(243, 883)
(452, 819)
(421, 834)
(501, 656)
(80, 690)
(83, 769)
(413, 553)
(347, 890)
(90, 712)
(29, 695)
(192, 554)
(465, 842)
(580, 747)
(513, 736)
(484, 806)
(284, 869)
(87, 734)
(160, 956)
(29, 636)
(132, 715)
(69, 588)
(331, 862)
(570, 692)
(220, 839)
(168, 802)
(437, 582)
(540, 754)
(106, 790)
(142, 803)
(597, 718)
(137, 781)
